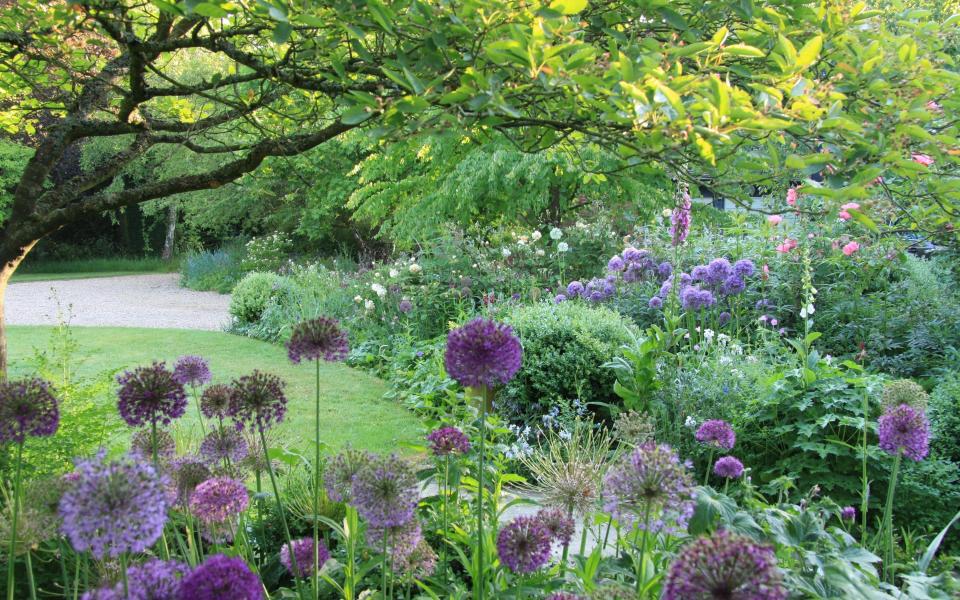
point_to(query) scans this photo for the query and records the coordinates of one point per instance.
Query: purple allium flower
(405, 306)
(401, 540)
(418, 563)
(483, 353)
(733, 285)
(904, 429)
(187, 473)
(650, 480)
(848, 513)
(318, 338)
(574, 289)
(699, 273)
(257, 400)
(717, 433)
(155, 579)
(615, 264)
(303, 553)
(191, 370)
(680, 220)
(655, 303)
(385, 492)
(598, 290)
(728, 467)
(634, 273)
(448, 440)
(221, 577)
(724, 318)
(558, 523)
(215, 401)
(150, 395)
(340, 472)
(141, 444)
(693, 298)
(523, 544)
(664, 270)
(559, 298)
(724, 565)
(114, 507)
(718, 270)
(744, 268)
(27, 408)
(564, 596)
(223, 445)
(218, 500)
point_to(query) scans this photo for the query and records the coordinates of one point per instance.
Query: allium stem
(30, 581)
(383, 569)
(888, 519)
(283, 512)
(446, 493)
(123, 572)
(706, 478)
(196, 400)
(13, 523)
(479, 587)
(316, 487)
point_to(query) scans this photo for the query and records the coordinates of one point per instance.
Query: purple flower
(848, 513)
(558, 523)
(303, 553)
(257, 400)
(664, 270)
(340, 472)
(651, 481)
(215, 401)
(420, 562)
(401, 540)
(27, 408)
(187, 472)
(733, 285)
(219, 499)
(598, 290)
(615, 264)
(655, 303)
(141, 444)
(221, 577)
(483, 353)
(405, 306)
(150, 395)
(191, 370)
(904, 429)
(559, 298)
(564, 596)
(113, 508)
(574, 289)
(680, 220)
(385, 492)
(724, 318)
(718, 270)
(724, 565)
(728, 467)
(523, 544)
(153, 580)
(448, 440)
(717, 433)
(699, 273)
(693, 298)
(744, 268)
(318, 338)
(222, 445)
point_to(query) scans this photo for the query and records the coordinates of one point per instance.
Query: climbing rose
(850, 248)
(922, 159)
(774, 220)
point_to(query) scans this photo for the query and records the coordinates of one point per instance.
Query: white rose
(536, 235)
(562, 247)
(555, 233)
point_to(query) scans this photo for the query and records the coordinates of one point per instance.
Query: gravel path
(155, 300)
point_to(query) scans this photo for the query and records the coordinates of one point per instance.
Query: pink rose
(850, 206)
(792, 196)
(851, 248)
(787, 245)
(922, 159)
(844, 215)
(774, 220)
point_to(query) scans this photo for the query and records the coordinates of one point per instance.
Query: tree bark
(168, 242)
(6, 272)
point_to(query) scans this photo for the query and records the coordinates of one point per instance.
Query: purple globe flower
(27, 408)
(655, 303)
(559, 298)
(257, 401)
(218, 500)
(222, 445)
(744, 268)
(303, 553)
(728, 467)
(574, 289)
(904, 429)
(141, 444)
(448, 440)
(221, 577)
(401, 540)
(615, 264)
(631, 254)
(385, 492)
(558, 523)
(191, 370)
(215, 401)
(733, 285)
(523, 544)
(693, 298)
(419, 563)
(340, 472)
(848, 513)
(113, 508)
(318, 338)
(717, 433)
(718, 270)
(724, 565)
(564, 596)
(724, 318)
(483, 353)
(150, 395)
(153, 580)
(650, 481)
(405, 306)
(634, 273)
(187, 473)
(664, 270)
(699, 273)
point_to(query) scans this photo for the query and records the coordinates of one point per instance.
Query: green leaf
(743, 50)
(355, 115)
(205, 9)
(810, 52)
(281, 33)
(568, 7)
(167, 7)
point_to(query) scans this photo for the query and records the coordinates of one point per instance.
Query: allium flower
(733, 285)
(401, 540)
(693, 298)
(340, 471)
(257, 400)
(664, 270)
(385, 492)
(655, 303)
(718, 271)
(187, 472)
(191, 370)
(904, 429)
(724, 318)
(448, 440)
(318, 338)
(27, 408)
(150, 395)
(699, 273)
(904, 391)
(559, 298)
(405, 306)
(564, 596)
(616, 264)
(483, 353)
(221, 577)
(744, 268)
(223, 445)
(631, 254)
(215, 401)
(680, 220)
(848, 513)
(418, 563)
(650, 480)
(155, 579)
(218, 500)
(141, 444)
(563, 247)
(114, 507)
(415, 268)
(717, 433)
(558, 523)
(574, 289)
(523, 544)
(303, 553)
(728, 467)
(724, 565)
(555, 233)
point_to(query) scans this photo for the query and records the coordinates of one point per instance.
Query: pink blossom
(810, 236)
(774, 220)
(922, 159)
(934, 107)
(851, 248)
(774, 322)
(766, 271)
(850, 206)
(844, 215)
(792, 196)
(787, 245)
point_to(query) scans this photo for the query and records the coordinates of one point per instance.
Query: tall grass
(212, 270)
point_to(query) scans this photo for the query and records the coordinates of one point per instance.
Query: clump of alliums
(320, 338)
(215, 401)
(483, 353)
(221, 577)
(303, 555)
(523, 544)
(650, 481)
(150, 395)
(257, 401)
(717, 434)
(904, 430)
(27, 408)
(724, 565)
(448, 440)
(192, 370)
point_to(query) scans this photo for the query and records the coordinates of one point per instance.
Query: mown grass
(91, 267)
(352, 406)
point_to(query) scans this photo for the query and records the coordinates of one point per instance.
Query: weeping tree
(740, 93)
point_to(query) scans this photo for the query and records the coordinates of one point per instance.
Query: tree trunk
(168, 242)
(6, 272)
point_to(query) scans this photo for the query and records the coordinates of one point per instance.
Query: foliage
(252, 294)
(211, 270)
(945, 418)
(13, 159)
(267, 253)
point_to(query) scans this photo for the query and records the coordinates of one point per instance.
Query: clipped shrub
(252, 294)
(945, 418)
(565, 347)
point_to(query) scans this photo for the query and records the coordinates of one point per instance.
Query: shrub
(945, 418)
(251, 295)
(267, 253)
(565, 348)
(216, 270)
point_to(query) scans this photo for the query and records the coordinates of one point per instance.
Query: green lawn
(352, 408)
(91, 267)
